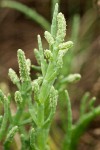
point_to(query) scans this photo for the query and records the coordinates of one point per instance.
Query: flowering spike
(60, 58)
(13, 76)
(28, 62)
(61, 30)
(49, 38)
(32, 139)
(11, 134)
(18, 97)
(24, 72)
(53, 97)
(35, 88)
(66, 45)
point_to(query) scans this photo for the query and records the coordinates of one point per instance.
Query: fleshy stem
(67, 140)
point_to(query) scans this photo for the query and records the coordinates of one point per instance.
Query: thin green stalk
(18, 115)
(53, 3)
(31, 13)
(54, 22)
(43, 61)
(83, 105)
(39, 120)
(67, 140)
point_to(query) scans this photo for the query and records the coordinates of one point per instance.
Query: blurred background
(19, 30)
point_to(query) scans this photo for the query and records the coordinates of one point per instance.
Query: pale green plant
(36, 100)
(45, 95)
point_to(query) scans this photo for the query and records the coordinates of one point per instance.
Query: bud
(13, 76)
(35, 86)
(24, 72)
(40, 80)
(48, 54)
(37, 55)
(18, 97)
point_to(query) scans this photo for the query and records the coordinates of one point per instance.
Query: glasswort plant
(45, 95)
(36, 100)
